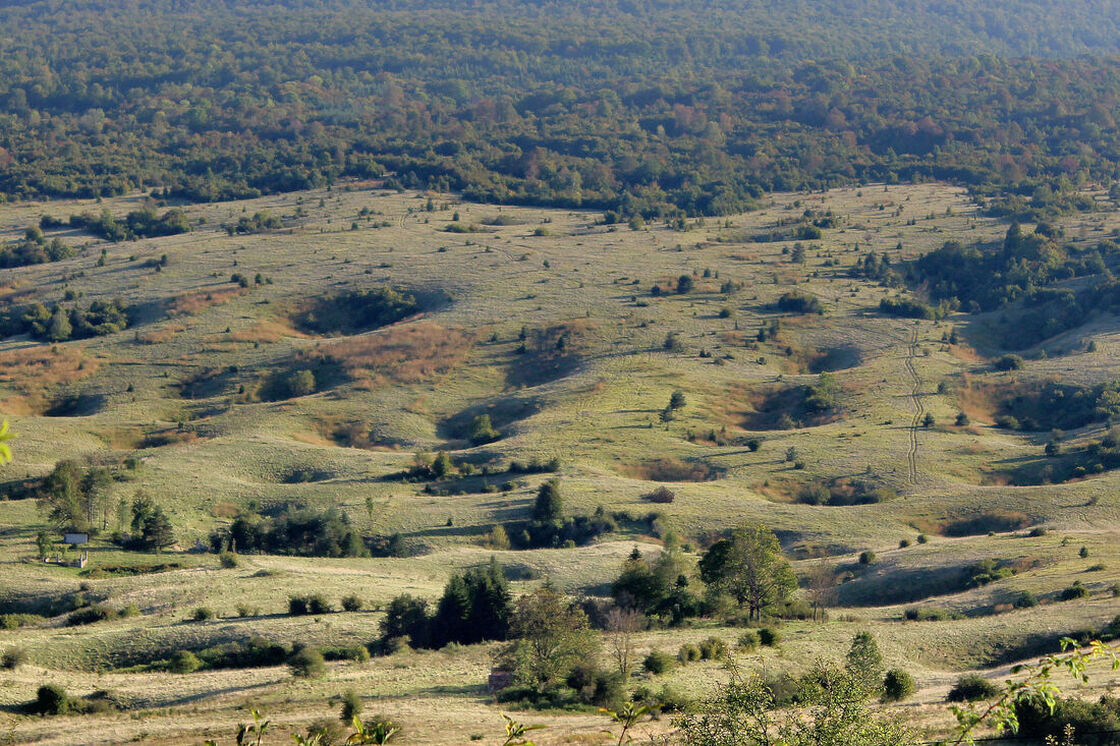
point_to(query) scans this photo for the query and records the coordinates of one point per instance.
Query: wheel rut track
(919, 409)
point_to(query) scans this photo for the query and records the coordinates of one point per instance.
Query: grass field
(184, 390)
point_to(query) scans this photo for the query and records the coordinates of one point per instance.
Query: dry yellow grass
(194, 301)
(33, 372)
(267, 331)
(405, 354)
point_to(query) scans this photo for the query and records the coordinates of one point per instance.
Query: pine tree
(156, 532)
(549, 505)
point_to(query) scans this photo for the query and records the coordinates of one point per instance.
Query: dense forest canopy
(658, 108)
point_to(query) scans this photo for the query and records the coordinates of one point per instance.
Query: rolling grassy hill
(546, 321)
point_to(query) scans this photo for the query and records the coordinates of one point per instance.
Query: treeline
(1024, 270)
(292, 530)
(33, 248)
(476, 606)
(143, 223)
(640, 108)
(61, 323)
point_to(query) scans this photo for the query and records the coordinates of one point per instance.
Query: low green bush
(51, 699)
(713, 649)
(972, 687)
(897, 685)
(184, 661)
(1074, 592)
(658, 662)
(307, 663)
(688, 653)
(769, 637)
(749, 640)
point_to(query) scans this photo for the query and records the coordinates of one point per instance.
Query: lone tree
(482, 430)
(549, 506)
(750, 568)
(684, 284)
(865, 663)
(156, 531)
(551, 636)
(677, 400)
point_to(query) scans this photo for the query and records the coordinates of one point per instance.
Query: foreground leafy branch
(1037, 686)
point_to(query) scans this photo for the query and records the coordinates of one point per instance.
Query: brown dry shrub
(415, 353)
(33, 371)
(672, 470)
(193, 301)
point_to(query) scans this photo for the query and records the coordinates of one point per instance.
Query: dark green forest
(658, 108)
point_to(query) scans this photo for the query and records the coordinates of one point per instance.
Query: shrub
(929, 614)
(297, 605)
(666, 699)
(202, 614)
(398, 644)
(593, 686)
(52, 700)
(1026, 600)
(1009, 362)
(688, 653)
(89, 615)
(351, 603)
(1074, 592)
(351, 706)
(972, 687)
(897, 685)
(922, 538)
(13, 658)
(713, 649)
(800, 303)
(300, 383)
(228, 560)
(482, 430)
(658, 662)
(867, 557)
(184, 661)
(769, 637)
(307, 663)
(660, 495)
(749, 639)
(244, 610)
(316, 604)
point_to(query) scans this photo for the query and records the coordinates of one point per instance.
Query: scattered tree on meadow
(549, 505)
(749, 567)
(551, 636)
(865, 663)
(73, 497)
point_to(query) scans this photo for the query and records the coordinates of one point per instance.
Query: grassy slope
(600, 419)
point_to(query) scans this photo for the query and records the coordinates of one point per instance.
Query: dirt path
(919, 408)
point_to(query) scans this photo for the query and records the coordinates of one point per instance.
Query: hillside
(249, 378)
